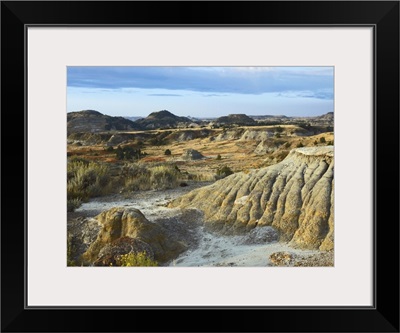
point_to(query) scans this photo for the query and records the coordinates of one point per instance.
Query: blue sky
(201, 91)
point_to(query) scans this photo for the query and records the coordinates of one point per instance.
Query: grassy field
(158, 161)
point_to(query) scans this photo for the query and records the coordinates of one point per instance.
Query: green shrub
(86, 180)
(218, 157)
(128, 153)
(300, 145)
(167, 152)
(163, 177)
(136, 177)
(224, 171)
(138, 183)
(322, 139)
(136, 259)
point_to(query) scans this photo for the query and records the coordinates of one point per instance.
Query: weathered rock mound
(267, 146)
(294, 196)
(127, 229)
(186, 135)
(192, 154)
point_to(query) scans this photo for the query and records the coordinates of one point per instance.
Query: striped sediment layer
(294, 196)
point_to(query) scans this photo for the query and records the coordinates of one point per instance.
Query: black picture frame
(383, 316)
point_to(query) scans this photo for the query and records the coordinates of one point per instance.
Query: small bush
(73, 204)
(224, 172)
(300, 145)
(135, 260)
(322, 140)
(86, 180)
(218, 157)
(142, 178)
(128, 153)
(330, 143)
(163, 177)
(167, 152)
(202, 176)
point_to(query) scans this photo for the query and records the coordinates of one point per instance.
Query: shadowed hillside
(93, 121)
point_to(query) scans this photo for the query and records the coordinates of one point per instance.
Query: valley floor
(209, 249)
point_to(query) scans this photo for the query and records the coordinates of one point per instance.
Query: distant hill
(93, 121)
(235, 119)
(163, 119)
(269, 117)
(322, 120)
(326, 117)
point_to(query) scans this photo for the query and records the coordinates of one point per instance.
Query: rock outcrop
(192, 154)
(127, 230)
(294, 196)
(267, 147)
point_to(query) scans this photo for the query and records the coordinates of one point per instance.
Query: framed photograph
(200, 158)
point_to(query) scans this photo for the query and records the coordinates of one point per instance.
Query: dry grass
(237, 154)
(142, 177)
(86, 179)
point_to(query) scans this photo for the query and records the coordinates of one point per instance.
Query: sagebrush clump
(86, 180)
(141, 178)
(224, 172)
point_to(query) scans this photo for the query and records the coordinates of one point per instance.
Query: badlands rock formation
(294, 196)
(125, 230)
(192, 154)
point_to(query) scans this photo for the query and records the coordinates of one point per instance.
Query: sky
(201, 91)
